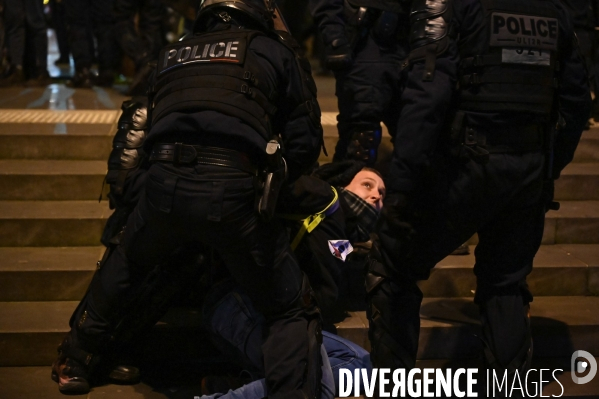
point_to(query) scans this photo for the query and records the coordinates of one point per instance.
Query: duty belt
(528, 137)
(182, 154)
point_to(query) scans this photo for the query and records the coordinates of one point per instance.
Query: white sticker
(340, 248)
(528, 56)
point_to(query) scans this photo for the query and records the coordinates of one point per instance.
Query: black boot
(71, 370)
(15, 77)
(83, 79)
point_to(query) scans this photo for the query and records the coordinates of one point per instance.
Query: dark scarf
(365, 216)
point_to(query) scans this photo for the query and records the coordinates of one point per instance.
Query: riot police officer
(366, 45)
(583, 14)
(475, 152)
(217, 99)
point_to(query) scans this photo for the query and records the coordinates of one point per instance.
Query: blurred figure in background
(366, 43)
(582, 13)
(58, 17)
(25, 18)
(141, 44)
(82, 14)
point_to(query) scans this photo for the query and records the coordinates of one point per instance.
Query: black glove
(339, 55)
(396, 216)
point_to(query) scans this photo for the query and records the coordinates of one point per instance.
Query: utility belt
(477, 144)
(268, 180)
(184, 154)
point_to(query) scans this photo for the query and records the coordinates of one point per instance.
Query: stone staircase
(51, 173)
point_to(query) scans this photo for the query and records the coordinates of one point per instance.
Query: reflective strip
(53, 116)
(91, 116)
(310, 223)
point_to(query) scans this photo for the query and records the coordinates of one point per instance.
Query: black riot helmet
(261, 11)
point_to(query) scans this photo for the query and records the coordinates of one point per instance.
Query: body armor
(513, 70)
(214, 71)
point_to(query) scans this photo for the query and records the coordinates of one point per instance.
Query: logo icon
(340, 249)
(582, 366)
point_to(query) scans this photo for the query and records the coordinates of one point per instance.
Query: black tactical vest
(515, 71)
(214, 71)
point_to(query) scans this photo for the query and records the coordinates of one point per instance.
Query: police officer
(583, 14)
(366, 45)
(92, 17)
(141, 44)
(218, 98)
(486, 84)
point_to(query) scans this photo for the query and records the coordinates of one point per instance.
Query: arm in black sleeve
(328, 15)
(422, 119)
(574, 99)
(301, 131)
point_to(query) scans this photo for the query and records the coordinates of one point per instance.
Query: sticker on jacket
(527, 31)
(340, 248)
(527, 56)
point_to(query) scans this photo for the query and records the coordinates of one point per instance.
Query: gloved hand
(339, 55)
(396, 216)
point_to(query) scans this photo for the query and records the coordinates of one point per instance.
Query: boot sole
(79, 387)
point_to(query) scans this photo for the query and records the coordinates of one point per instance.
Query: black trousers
(144, 46)
(213, 206)
(368, 92)
(85, 15)
(501, 201)
(25, 19)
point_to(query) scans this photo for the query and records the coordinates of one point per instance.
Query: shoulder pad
(429, 21)
(285, 38)
(134, 116)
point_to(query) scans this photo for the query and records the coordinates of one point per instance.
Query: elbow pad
(127, 146)
(429, 32)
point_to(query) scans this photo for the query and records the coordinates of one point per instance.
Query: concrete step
(578, 181)
(63, 273)
(52, 180)
(559, 270)
(52, 223)
(56, 141)
(448, 326)
(46, 273)
(588, 147)
(80, 223)
(576, 222)
(30, 331)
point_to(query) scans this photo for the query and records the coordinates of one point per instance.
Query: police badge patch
(340, 249)
(202, 50)
(526, 31)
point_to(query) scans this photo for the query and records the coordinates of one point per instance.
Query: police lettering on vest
(201, 50)
(515, 30)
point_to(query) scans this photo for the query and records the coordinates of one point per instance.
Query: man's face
(368, 186)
